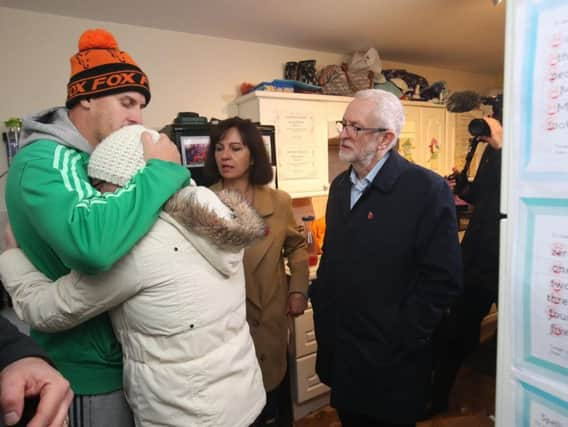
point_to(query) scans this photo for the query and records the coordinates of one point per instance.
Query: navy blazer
(389, 269)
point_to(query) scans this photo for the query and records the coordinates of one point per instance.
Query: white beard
(345, 157)
(361, 158)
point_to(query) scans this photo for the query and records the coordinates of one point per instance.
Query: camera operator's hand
(457, 181)
(496, 138)
(451, 178)
(462, 185)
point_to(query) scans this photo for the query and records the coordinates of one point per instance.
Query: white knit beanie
(120, 155)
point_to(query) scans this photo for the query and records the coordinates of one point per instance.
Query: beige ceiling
(458, 34)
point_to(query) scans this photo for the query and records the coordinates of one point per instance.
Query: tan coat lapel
(263, 203)
(255, 253)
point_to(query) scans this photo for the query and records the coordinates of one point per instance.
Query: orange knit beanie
(100, 69)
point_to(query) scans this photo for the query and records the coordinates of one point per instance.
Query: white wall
(187, 72)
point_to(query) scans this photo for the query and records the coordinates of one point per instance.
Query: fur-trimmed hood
(219, 225)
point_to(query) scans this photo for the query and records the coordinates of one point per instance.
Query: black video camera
(496, 103)
(479, 127)
(461, 102)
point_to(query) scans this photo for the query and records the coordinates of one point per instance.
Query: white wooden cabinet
(308, 392)
(304, 335)
(304, 123)
(458, 133)
(423, 139)
(307, 382)
(436, 139)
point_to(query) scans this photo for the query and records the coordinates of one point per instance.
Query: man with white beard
(390, 267)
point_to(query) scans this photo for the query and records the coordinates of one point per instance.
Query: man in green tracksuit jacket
(61, 222)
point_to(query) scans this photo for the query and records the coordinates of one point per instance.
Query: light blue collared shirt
(359, 185)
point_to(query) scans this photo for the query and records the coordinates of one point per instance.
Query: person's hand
(162, 149)
(32, 376)
(297, 303)
(496, 138)
(451, 179)
(9, 238)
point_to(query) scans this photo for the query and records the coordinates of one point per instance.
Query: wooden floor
(471, 403)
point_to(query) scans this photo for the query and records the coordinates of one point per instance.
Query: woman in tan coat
(237, 159)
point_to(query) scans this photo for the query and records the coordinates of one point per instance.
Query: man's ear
(85, 103)
(386, 140)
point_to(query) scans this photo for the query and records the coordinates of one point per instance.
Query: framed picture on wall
(194, 150)
(267, 132)
(268, 145)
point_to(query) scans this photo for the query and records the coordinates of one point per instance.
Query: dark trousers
(278, 409)
(351, 419)
(456, 338)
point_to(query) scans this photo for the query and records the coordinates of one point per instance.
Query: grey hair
(388, 110)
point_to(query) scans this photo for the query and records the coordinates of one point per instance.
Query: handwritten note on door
(549, 136)
(549, 290)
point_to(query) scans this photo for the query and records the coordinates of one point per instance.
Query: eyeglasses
(341, 125)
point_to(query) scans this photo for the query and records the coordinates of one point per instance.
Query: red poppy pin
(370, 215)
(266, 230)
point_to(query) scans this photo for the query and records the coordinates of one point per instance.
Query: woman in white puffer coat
(176, 301)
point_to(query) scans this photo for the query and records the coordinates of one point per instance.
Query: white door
(532, 375)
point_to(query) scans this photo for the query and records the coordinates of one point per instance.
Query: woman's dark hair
(260, 172)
